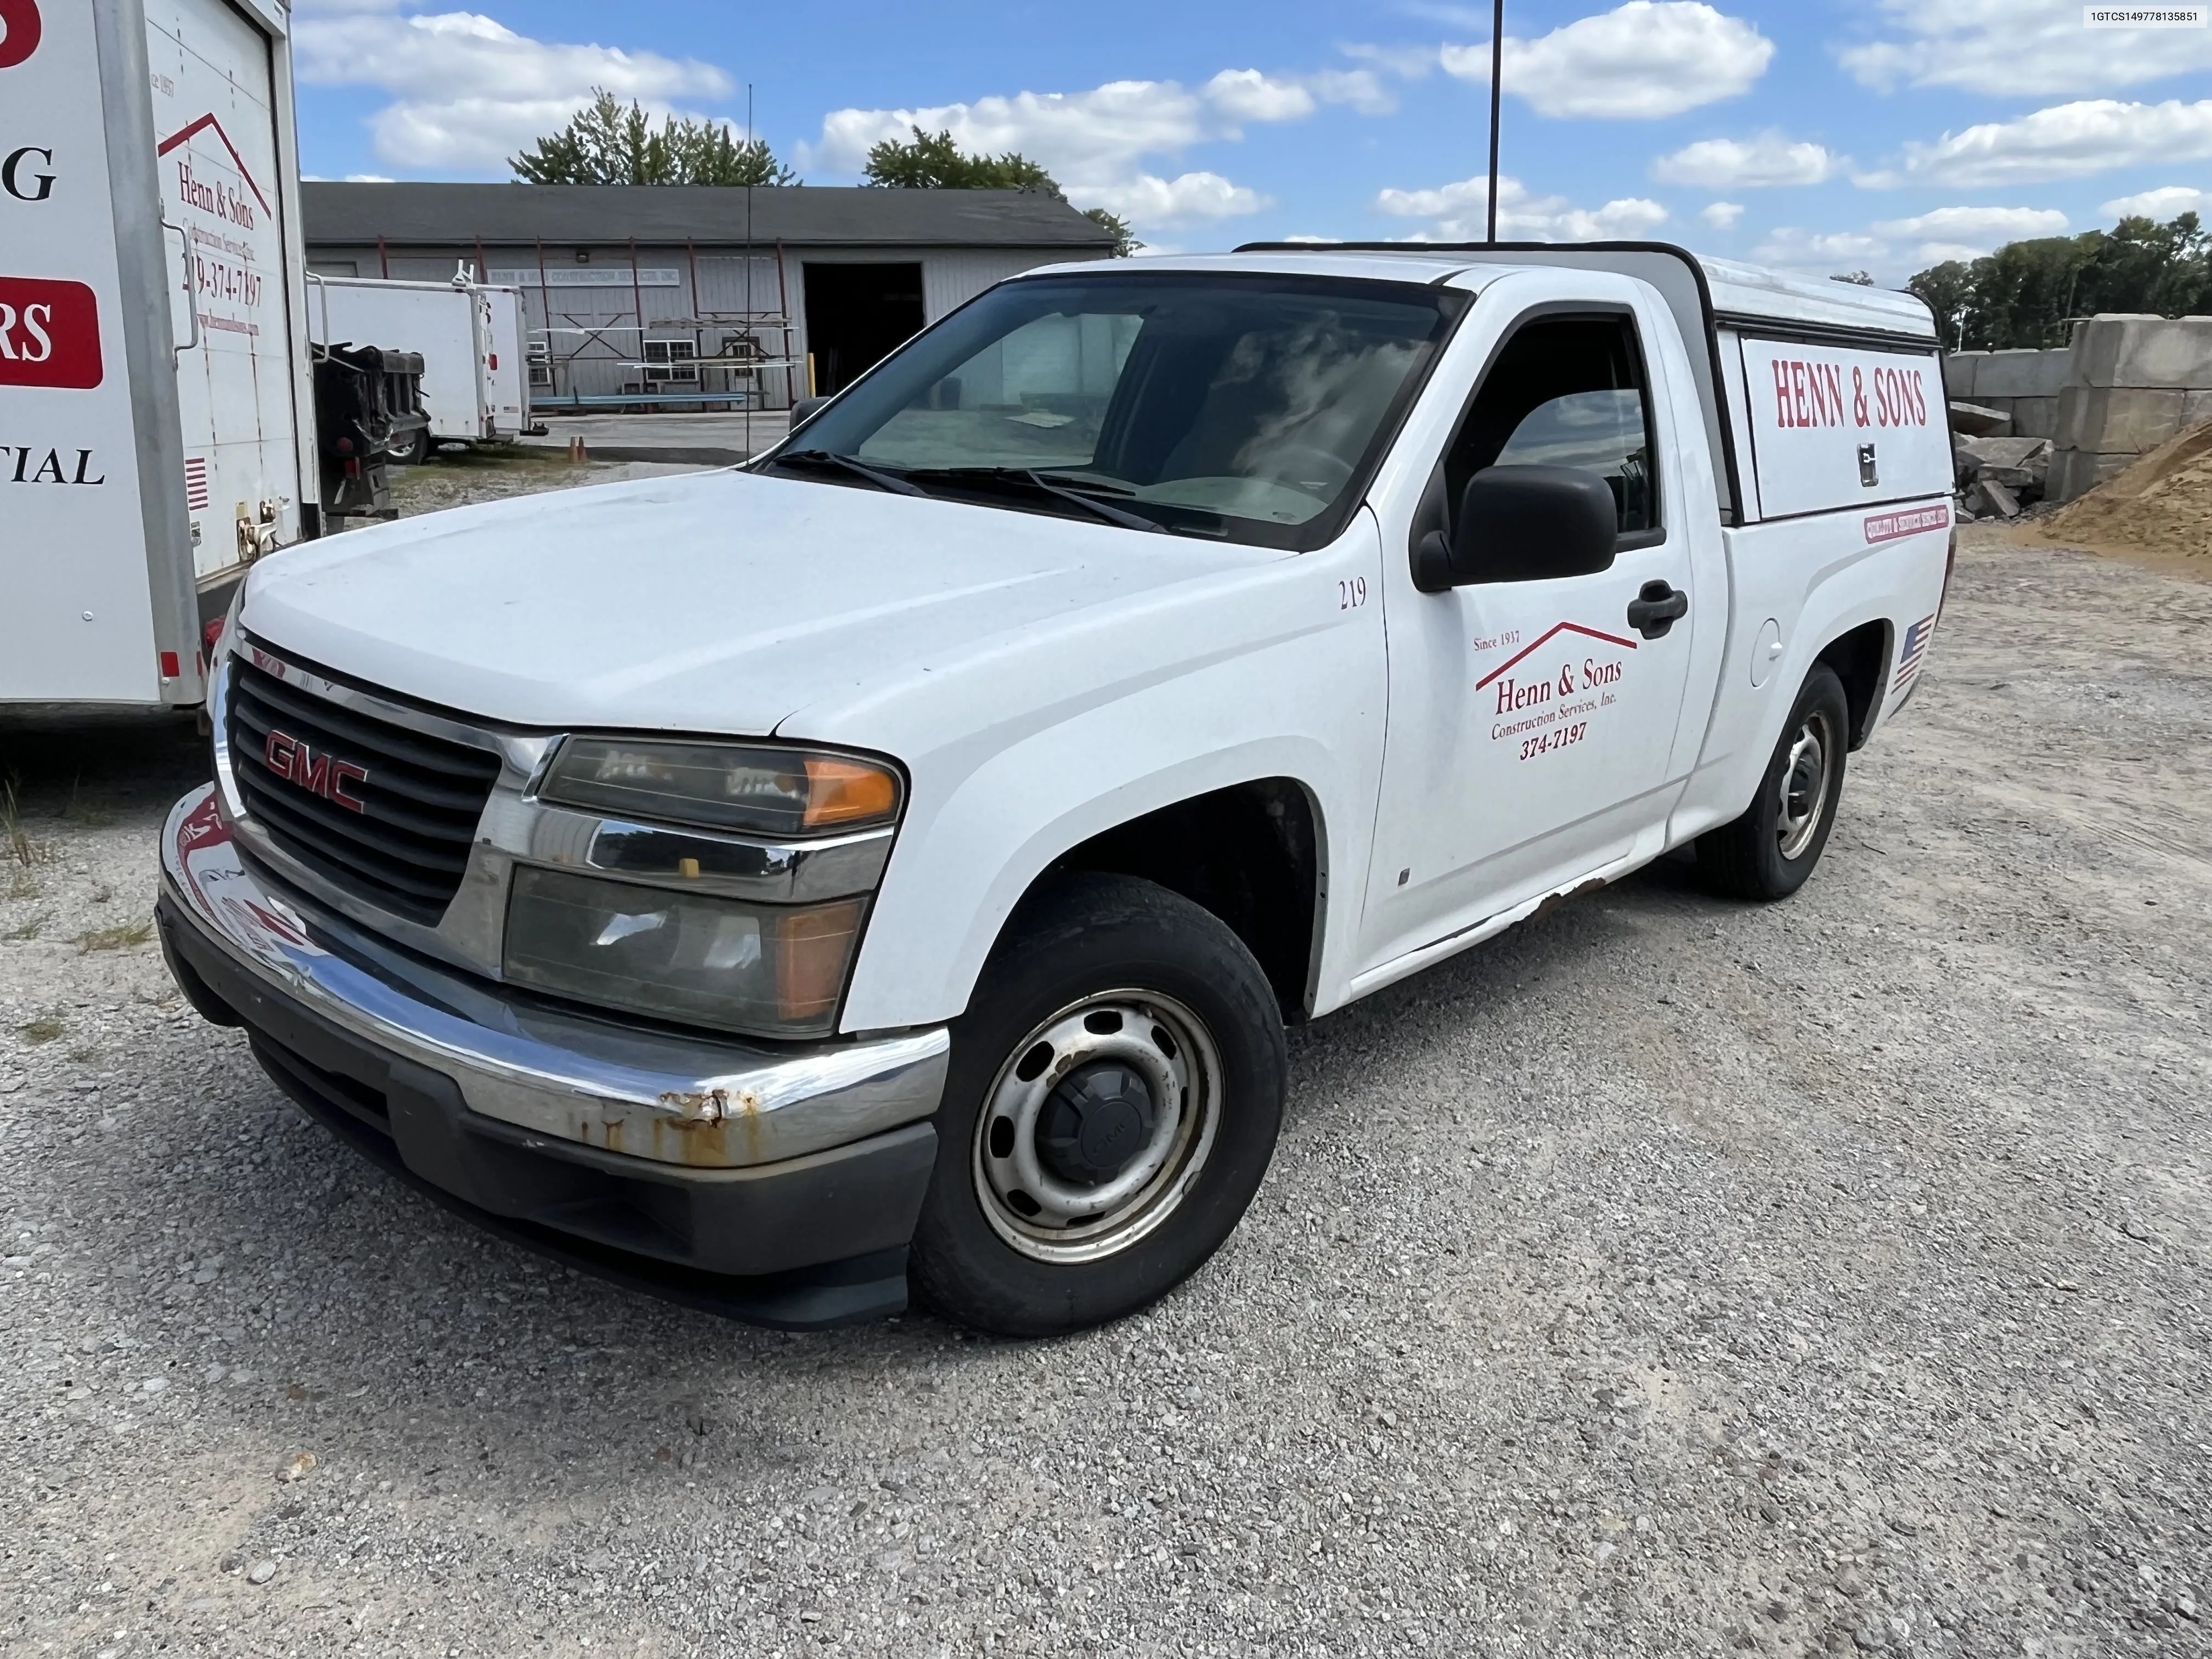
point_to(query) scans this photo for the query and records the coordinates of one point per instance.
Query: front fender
(1272, 676)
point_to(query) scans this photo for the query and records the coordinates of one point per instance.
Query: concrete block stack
(2132, 384)
(2024, 385)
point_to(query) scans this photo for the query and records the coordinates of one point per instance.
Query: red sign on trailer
(49, 334)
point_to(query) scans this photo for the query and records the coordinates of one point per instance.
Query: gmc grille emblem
(319, 774)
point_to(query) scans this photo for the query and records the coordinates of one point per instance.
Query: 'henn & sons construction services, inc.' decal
(1546, 701)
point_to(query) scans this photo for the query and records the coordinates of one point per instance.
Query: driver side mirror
(802, 409)
(1523, 524)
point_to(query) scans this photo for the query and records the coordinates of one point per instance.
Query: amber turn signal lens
(841, 791)
(814, 949)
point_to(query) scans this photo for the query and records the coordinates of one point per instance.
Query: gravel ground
(460, 477)
(1668, 1276)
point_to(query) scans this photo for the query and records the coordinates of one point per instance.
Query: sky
(1826, 135)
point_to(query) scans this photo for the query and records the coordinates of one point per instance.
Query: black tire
(1081, 940)
(1767, 853)
(417, 451)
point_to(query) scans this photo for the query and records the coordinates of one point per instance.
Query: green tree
(1125, 239)
(1948, 289)
(607, 144)
(933, 160)
(1855, 278)
(2029, 293)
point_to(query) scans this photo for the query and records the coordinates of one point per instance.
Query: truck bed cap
(1734, 291)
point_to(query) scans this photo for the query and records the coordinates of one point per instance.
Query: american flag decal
(1912, 653)
(196, 483)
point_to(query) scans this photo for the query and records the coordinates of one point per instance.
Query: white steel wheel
(1802, 789)
(1767, 853)
(1097, 1126)
(1113, 1095)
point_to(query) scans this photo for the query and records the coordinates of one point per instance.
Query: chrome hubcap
(1804, 787)
(1097, 1126)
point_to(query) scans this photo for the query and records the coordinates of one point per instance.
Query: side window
(1565, 391)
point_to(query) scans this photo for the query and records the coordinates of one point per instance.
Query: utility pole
(1497, 87)
(752, 323)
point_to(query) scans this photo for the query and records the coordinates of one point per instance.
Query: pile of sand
(2161, 505)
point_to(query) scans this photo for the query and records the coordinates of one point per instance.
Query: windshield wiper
(1037, 480)
(1084, 482)
(825, 458)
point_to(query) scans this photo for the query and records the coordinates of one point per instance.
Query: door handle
(1658, 609)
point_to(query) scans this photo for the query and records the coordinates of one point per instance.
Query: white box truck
(155, 434)
(902, 876)
(468, 336)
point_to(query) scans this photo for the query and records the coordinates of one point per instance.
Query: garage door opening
(855, 315)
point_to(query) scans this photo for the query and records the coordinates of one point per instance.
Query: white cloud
(1097, 143)
(1925, 238)
(1643, 59)
(2161, 204)
(1722, 215)
(1738, 164)
(2067, 141)
(2019, 47)
(1363, 90)
(1825, 251)
(1147, 200)
(1405, 63)
(1249, 95)
(1968, 233)
(1458, 213)
(470, 92)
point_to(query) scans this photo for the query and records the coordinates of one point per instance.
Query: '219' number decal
(1351, 595)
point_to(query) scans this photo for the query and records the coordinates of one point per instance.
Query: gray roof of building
(814, 215)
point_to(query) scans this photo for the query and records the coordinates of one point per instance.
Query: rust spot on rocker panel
(1575, 891)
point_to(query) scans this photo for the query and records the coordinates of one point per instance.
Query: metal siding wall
(952, 277)
(722, 282)
(949, 278)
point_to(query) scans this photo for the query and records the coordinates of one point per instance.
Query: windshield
(1240, 405)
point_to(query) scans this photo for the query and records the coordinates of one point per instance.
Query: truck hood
(712, 602)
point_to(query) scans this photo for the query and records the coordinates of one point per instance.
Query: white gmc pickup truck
(889, 866)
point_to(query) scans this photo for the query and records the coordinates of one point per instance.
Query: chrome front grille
(380, 811)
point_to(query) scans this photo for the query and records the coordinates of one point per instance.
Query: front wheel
(1769, 852)
(1115, 1094)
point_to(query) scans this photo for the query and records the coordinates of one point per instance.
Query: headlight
(772, 791)
(769, 971)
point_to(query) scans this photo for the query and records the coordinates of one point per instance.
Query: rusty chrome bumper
(667, 1099)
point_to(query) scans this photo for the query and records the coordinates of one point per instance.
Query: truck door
(1533, 734)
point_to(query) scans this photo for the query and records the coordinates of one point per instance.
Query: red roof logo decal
(1551, 634)
(205, 123)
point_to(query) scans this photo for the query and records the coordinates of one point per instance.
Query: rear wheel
(1769, 852)
(418, 450)
(1113, 1098)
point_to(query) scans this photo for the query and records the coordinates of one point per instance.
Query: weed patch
(115, 938)
(16, 845)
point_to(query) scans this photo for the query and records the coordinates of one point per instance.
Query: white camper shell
(468, 334)
(902, 877)
(155, 412)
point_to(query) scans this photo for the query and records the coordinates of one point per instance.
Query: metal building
(697, 296)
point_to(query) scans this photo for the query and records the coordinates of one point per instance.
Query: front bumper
(778, 1186)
